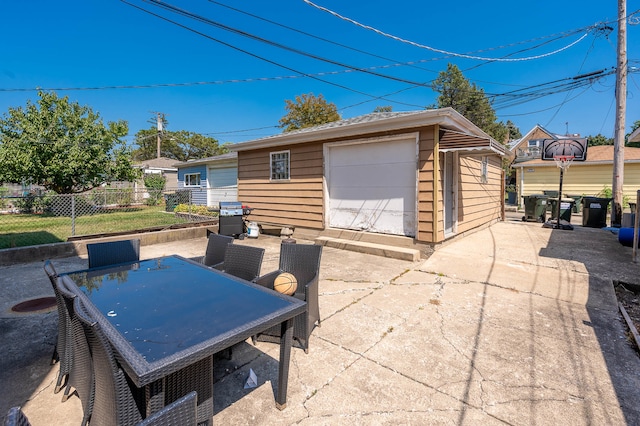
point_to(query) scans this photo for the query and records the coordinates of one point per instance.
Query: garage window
(280, 165)
(192, 179)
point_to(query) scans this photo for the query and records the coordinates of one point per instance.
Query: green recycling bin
(566, 207)
(577, 202)
(535, 208)
(594, 211)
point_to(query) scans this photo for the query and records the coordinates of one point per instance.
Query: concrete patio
(514, 324)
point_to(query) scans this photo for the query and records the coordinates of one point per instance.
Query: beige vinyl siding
(581, 179)
(478, 203)
(425, 186)
(295, 202)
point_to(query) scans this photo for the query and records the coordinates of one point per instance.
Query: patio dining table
(167, 317)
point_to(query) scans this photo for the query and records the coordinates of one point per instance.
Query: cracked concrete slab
(514, 324)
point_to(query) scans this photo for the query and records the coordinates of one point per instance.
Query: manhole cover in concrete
(34, 305)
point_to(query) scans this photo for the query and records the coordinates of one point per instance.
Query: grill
(231, 221)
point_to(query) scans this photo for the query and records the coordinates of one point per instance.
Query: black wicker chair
(15, 417)
(81, 373)
(179, 413)
(243, 261)
(216, 248)
(113, 252)
(303, 261)
(116, 398)
(62, 351)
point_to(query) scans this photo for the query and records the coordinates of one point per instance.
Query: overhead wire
(445, 52)
(260, 57)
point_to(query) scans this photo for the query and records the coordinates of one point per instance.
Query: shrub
(195, 209)
(155, 184)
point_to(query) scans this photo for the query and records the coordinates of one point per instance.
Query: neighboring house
(211, 179)
(581, 178)
(424, 174)
(164, 166)
(635, 135)
(530, 145)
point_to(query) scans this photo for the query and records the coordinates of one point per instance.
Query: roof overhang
(453, 141)
(447, 118)
(230, 157)
(635, 135)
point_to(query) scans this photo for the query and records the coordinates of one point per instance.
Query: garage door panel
(372, 187)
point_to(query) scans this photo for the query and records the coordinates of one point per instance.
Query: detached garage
(426, 174)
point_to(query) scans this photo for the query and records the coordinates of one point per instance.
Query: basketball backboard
(577, 147)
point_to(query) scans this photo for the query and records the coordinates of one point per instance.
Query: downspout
(436, 180)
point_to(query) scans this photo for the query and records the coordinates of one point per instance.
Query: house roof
(447, 118)
(229, 156)
(601, 154)
(514, 143)
(635, 135)
(163, 163)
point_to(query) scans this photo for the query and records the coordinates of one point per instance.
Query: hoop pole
(636, 225)
(559, 197)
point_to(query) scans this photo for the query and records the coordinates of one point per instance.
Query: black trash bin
(170, 201)
(566, 207)
(535, 207)
(594, 211)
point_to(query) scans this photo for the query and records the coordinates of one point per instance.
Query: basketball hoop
(563, 161)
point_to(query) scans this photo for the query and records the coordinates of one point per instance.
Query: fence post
(73, 215)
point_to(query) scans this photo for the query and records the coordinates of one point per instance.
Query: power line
(445, 52)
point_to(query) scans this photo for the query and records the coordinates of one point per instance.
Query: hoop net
(563, 161)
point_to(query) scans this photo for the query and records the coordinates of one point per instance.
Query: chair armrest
(268, 279)
(199, 259)
(218, 266)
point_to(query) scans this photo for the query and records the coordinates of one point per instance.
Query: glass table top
(162, 306)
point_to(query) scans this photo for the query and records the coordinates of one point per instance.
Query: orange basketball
(285, 283)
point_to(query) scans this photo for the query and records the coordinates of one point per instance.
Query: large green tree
(599, 139)
(308, 110)
(180, 145)
(62, 146)
(457, 92)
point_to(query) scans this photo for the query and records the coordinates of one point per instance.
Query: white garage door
(372, 186)
(223, 185)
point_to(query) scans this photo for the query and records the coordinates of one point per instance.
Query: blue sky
(97, 44)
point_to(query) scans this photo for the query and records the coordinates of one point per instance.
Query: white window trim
(192, 174)
(288, 166)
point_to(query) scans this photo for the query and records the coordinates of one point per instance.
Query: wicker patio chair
(113, 252)
(303, 261)
(216, 248)
(179, 413)
(15, 417)
(62, 350)
(81, 373)
(115, 395)
(243, 261)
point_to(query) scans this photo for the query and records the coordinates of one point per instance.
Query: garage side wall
(426, 207)
(478, 203)
(296, 202)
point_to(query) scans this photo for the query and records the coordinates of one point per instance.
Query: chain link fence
(40, 217)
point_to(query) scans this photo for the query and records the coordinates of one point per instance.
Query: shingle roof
(158, 163)
(214, 159)
(595, 154)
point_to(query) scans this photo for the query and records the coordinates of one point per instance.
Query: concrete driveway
(514, 324)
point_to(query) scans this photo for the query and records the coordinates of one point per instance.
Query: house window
(280, 165)
(484, 178)
(192, 179)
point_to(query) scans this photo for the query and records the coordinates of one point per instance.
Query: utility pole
(621, 112)
(159, 120)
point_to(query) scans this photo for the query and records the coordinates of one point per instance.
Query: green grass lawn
(18, 230)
